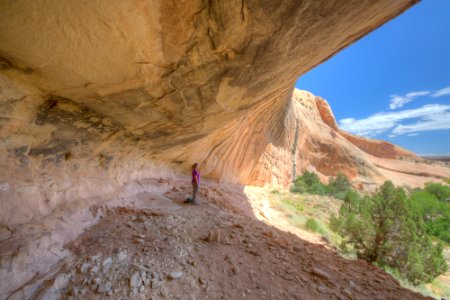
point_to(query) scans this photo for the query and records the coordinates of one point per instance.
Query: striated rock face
(97, 95)
(310, 139)
(326, 113)
(379, 148)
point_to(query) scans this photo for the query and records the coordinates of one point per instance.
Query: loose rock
(175, 275)
(104, 288)
(321, 273)
(135, 280)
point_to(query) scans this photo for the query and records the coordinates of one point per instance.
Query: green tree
(440, 191)
(309, 182)
(339, 186)
(435, 214)
(309, 178)
(384, 229)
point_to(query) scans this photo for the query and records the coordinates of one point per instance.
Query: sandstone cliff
(310, 139)
(98, 95)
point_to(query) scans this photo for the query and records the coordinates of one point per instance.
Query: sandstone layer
(98, 95)
(309, 138)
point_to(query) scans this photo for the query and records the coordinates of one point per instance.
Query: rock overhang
(179, 67)
(104, 89)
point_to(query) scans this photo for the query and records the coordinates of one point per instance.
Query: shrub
(318, 189)
(340, 183)
(435, 214)
(440, 191)
(386, 230)
(308, 178)
(312, 225)
(444, 236)
(295, 189)
(275, 192)
(309, 183)
(340, 195)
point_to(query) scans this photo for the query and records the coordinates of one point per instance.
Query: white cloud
(399, 101)
(413, 134)
(428, 117)
(438, 121)
(442, 92)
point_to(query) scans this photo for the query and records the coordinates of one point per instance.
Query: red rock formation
(326, 113)
(95, 96)
(311, 140)
(379, 148)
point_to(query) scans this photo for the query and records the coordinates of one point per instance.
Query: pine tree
(384, 229)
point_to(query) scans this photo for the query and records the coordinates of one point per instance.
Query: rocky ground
(205, 251)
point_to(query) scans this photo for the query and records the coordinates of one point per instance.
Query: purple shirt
(195, 174)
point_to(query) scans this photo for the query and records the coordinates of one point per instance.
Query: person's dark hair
(194, 165)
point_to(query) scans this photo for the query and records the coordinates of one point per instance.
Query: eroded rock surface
(139, 254)
(96, 96)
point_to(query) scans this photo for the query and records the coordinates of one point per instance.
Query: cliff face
(95, 95)
(310, 139)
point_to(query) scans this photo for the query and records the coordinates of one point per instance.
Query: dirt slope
(161, 248)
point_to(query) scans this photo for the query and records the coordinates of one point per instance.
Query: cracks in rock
(294, 151)
(29, 282)
(151, 63)
(242, 11)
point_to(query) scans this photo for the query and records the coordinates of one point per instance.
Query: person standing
(195, 183)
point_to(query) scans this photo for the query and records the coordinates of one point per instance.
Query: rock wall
(95, 94)
(310, 143)
(379, 148)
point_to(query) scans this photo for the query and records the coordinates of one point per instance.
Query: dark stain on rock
(104, 160)
(63, 111)
(20, 155)
(54, 152)
(56, 146)
(44, 110)
(176, 161)
(67, 155)
(5, 64)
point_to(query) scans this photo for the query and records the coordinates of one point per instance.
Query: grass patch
(297, 220)
(293, 205)
(312, 225)
(311, 215)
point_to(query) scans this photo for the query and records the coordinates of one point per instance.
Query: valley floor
(157, 247)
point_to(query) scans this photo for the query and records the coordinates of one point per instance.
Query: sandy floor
(158, 247)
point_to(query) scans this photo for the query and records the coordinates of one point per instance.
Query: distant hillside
(445, 158)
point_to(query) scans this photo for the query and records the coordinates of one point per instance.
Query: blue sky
(394, 84)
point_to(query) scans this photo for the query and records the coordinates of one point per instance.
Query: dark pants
(194, 192)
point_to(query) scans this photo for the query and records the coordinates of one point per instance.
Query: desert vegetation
(309, 182)
(401, 230)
